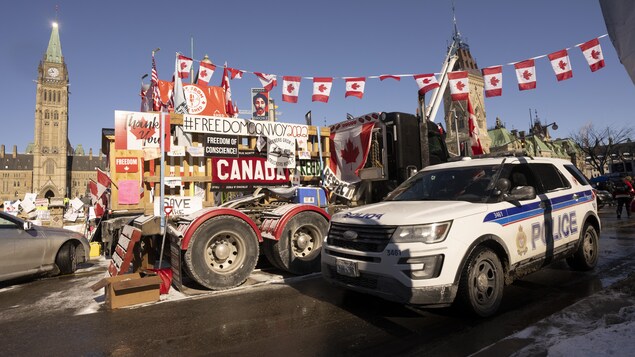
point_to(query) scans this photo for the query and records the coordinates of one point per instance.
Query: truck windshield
(472, 184)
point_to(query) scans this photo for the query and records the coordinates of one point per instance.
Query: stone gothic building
(50, 167)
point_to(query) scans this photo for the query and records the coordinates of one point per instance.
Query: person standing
(623, 193)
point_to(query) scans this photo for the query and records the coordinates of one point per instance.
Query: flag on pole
(322, 89)
(290, 89)
(180, 104)
(156, 94)
(103, 182)
(459, 88)
(426, 82)
(475, 141)
(592, 51)
(561, 65)
(229, 105)
(493, 80)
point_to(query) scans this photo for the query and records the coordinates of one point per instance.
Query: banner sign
(259, 104)
(281, 152)
(309, 168)
(238, 126)
(221, 145)
(139, 130)
(336, 186)
(246, 172)
(181, 205)
(126, 164)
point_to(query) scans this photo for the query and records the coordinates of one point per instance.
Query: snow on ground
(602, 324)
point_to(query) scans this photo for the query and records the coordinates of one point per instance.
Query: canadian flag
(268, 80)
(355, 87)
(322, 89)
(426, 82)
(236, 73)
(229, 105)
(349, 149)
(389, 76)
(205, 73)
(526, 74)
(103, 182)
(184, 65)
(290, 89)
(98, 202)
(593, 54)
(459, 88)
(561, 64)
(475, 141)
(493, 80)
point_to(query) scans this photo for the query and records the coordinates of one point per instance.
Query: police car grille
(369, 238)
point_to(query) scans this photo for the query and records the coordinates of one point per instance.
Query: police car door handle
(575, 196)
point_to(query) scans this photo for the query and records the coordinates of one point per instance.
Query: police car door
(561, 202)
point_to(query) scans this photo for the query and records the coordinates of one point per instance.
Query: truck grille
(368, 238)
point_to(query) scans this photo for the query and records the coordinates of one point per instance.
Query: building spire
(54, 50)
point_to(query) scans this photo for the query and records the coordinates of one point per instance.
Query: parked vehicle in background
(30, 250)
(604, 198)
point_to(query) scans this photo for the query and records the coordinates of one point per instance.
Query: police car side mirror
(520, 193)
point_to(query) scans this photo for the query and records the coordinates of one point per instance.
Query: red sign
(246, 172)
(126, 164)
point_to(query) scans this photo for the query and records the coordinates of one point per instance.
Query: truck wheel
(66, 259)
(482, 282)
(586, 256)
(222, 253)
(267, 249)
(298, 250)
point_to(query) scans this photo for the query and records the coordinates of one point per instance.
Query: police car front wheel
(482, 282)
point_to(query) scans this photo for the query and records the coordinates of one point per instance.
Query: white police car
(462, 230)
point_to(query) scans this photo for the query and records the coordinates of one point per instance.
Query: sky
(107, 47)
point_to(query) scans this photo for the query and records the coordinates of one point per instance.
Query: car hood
(408, 212)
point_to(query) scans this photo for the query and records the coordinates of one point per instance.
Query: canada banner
(350, 144)
(355, 87)
(459, 88)
(526, 74)
(137, 130)
(322, 89)
(290, 89)
(426, 82)
(493, 81)
(246, 172)
(561, 65)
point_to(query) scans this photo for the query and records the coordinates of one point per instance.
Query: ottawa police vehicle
(460, 231)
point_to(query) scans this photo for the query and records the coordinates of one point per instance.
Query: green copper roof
(54, 51)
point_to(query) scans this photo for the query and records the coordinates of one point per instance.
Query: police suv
(460, 231)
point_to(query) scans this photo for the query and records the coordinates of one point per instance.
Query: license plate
(347, 268)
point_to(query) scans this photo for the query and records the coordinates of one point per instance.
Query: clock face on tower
(53, 72)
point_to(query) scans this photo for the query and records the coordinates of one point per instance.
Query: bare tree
(599, 144)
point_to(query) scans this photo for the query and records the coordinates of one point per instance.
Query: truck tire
(66, 259)
(222, 253)
(482, 282)
(267, 249)
(586, 256)
(298, 250)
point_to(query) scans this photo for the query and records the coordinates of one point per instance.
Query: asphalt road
(279, 315)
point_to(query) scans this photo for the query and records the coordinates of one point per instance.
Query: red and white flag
(355, 87)
(103, 182)
(205, 72)
(229, 105)
(290, 89)
(98, 202)
(593, 54)
(389, 76)
(184, 65)
(156, 93)
(459, 88)
(349, 149)
(268, 80)
(493, 80)
(236, 73)
(426, 82)
(475, 140)
(178, 96)
(526, 74)
(322, 89)
(561, 64)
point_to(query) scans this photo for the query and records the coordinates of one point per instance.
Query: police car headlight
(427, 233)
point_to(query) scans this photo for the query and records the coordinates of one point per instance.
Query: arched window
(56, 115)
(46, 114)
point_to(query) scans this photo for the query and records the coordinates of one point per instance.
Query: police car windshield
(472, 184)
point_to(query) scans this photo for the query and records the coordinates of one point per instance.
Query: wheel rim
(588, 246)
(484, 282)
(304, 241)
(224, 253)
